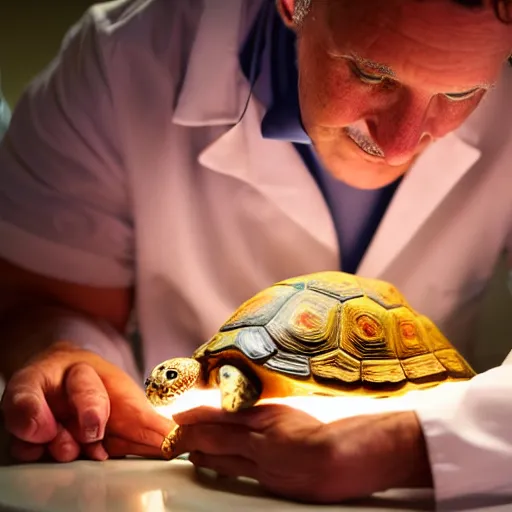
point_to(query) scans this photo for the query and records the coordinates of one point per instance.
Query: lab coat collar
(276, 170)
(272, 167)
(214, 90)
(426, 185)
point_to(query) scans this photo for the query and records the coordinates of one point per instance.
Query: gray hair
(301, 10)
(502, 8)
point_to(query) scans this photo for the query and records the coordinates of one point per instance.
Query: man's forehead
(424, 45)
(442, 25)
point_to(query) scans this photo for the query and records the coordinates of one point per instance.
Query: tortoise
(326, 333)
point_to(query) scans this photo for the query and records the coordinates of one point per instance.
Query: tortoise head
(172, 378)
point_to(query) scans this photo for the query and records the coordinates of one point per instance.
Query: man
(173, 160)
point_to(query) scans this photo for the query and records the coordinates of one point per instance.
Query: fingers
(120, 447)
(63, 448)
(26, 452)
(27, 415)
(257, 418)
(215, 439)
(140, 433)
(95, 451)
(136, 430)
(89, 398)
(155, 423)
(40, 396)
(226, 465)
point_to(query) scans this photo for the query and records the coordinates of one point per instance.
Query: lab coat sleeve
(468, 431)
(64, 200)
(98, 337)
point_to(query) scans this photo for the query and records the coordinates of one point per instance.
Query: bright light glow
(190, 400)
(325, 409)
(154, 501)
(328, 409)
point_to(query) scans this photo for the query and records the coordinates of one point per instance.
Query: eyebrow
(384, 69)
(370, 64)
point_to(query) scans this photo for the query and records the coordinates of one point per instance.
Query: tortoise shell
(339, 332)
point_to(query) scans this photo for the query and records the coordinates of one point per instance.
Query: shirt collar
(269, 61)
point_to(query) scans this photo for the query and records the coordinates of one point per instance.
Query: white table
(136, 485)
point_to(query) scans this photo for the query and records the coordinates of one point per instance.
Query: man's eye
(460, 96)
(367, 78)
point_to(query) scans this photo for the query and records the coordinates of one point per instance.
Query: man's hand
(69, 402)
(296, 456)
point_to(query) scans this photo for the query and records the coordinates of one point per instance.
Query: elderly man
(177, 157)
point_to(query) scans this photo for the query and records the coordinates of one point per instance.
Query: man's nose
(402, 128)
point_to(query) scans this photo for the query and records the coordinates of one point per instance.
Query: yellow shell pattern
(341, 330)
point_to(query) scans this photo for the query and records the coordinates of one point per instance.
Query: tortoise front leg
(237, 390)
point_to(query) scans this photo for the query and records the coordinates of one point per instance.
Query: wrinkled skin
(437, 49)
(296, 456)
(69, 403)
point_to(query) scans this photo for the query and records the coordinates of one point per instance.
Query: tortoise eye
(171, 374)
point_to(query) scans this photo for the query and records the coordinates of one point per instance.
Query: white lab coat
(126, 164)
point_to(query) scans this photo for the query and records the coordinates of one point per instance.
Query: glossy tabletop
(137, 485)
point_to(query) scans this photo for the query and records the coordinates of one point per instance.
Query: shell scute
(423, 366)
(407, 333)
(254, 342)
(355, 332)
(308, 323)
(295, 365)
(453, 362)
(382, 371)
(363, 332)
(260, 309)
(336, 365)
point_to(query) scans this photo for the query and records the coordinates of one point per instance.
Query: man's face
(380, 80)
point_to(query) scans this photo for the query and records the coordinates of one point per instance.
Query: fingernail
(92, 434)
(91, 426)
(101, 453)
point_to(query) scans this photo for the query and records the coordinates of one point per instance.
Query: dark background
(30, 35)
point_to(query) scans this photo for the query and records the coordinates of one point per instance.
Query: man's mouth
(363, 142)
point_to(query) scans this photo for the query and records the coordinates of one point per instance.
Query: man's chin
(347, 162)
(368, 175)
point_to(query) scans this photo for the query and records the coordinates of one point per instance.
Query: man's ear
(286, 9)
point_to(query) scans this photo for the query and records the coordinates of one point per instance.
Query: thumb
(157, 422)
(140, 433)
(27, 414)
(134, 418)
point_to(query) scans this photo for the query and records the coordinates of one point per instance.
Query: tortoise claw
(170, 442)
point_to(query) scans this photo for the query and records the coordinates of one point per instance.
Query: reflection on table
(136, 485)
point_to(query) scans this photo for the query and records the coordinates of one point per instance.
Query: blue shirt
(268, 60)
